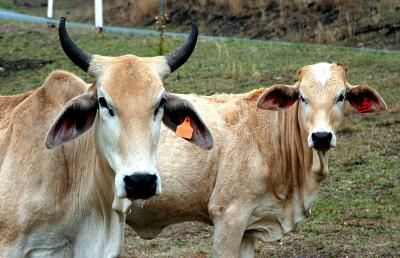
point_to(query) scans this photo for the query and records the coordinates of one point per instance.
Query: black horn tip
(194, 28)
(74, 53)
(182, 54)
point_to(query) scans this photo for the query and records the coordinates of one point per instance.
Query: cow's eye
(303, 99)
(159, 106)
(103, 104)
(340, 98)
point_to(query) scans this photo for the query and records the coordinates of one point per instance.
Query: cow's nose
(141, 186)
(321, 140)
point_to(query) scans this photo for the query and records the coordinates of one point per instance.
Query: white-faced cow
(268, 160)
(68, 200)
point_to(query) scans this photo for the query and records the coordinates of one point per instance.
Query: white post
(50, 9)
(98, 14)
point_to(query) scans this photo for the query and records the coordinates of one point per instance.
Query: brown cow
(269, 158)
(69, 202)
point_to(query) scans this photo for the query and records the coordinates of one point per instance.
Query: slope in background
(374, 24)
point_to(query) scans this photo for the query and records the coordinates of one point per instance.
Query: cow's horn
(74, 53)
(182, 54)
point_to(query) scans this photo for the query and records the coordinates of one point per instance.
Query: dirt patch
(9, 66)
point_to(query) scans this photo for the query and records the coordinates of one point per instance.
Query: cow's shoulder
(39, 106)
(61, 86)
(58, 88)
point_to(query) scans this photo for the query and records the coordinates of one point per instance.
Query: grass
(357, 212)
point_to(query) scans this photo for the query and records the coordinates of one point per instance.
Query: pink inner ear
(364, 99)
(63, 132)
(366, 103)
(278, 97)
(277, 101)
(283, 103)
(71, 124)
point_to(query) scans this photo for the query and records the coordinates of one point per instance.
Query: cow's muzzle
(141, 186)
(321, 140)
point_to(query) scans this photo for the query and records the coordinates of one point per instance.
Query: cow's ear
(278, 97)
(176, 110)
(365, 99)
(75, 118)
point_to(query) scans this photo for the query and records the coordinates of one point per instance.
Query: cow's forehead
(128, 77)
(322, 79)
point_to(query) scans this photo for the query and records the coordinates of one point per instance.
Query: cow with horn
(66, 197)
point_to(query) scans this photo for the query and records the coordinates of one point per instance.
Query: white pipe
(50, 9)
(98, 13)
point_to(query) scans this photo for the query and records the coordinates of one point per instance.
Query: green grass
(357, 212)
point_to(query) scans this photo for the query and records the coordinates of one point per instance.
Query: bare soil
(8, 66)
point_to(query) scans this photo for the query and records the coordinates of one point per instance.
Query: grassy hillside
(357, 212)
(360, 23)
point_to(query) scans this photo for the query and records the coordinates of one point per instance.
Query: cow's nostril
(321, 140)
(324, 136)
(141, 186)
(140, 179)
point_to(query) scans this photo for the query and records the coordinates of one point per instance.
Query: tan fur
(133, 76)
(70, 200)
(23, 177)
(72, 153)
(64, 187)
(260, 179)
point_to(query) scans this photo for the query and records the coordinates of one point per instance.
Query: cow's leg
(229, 227)
(247, 246)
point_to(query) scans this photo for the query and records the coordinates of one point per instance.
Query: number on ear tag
(185, 130)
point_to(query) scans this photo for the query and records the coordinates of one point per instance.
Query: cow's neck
(313, 165)
(296, 170)
(89, 180)
(92, 199)
(309, 167)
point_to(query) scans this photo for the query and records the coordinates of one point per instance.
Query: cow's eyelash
(160, 105)
(303, 99)
(340, 98)
(103, 104)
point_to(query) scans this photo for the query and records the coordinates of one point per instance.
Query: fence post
(98, 14)
(50, 9)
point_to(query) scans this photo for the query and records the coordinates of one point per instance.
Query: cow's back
(189, 174)
(32, 178)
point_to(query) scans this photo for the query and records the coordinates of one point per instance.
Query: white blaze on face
(140, 152)
(322, 111)
(322, 72)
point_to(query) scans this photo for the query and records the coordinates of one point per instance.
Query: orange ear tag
(185, 130)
